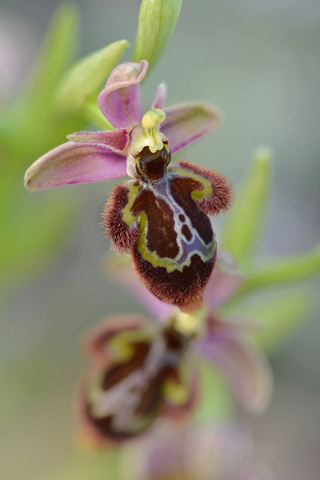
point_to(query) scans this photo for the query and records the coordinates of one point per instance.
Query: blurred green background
(259, 61)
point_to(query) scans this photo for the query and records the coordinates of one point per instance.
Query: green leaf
(276, 315)
(29, 117)
(282, 316)
(34, 231)
(87, 75)
(157, 19)
(57, 51)
(283, 270)
(243, 222)
(35, 119)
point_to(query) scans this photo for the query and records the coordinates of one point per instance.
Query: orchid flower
(160, 216)
(135, 376)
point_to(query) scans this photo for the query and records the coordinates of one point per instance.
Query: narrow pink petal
(114, 139)
(235, 325)
(119, 101)
(219, 450)
(74, 162)
(186, 122)
(224, 282)
(244, 366)
(160, 96)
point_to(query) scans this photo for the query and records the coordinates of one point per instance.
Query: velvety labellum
(173, 246)
(128, 395)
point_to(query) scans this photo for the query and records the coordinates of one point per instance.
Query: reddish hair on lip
(222, 195)
(183, 289)
(123, 237)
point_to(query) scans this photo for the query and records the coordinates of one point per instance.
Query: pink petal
(224, 282)
(119, 101)
(160, 96)
(186, 122)
(217, 450)
(160, 456)
(114, 139)
(74, 162)
(244, 366)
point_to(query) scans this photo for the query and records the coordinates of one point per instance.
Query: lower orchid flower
(135, 375)
(138, 374)
(160, 216)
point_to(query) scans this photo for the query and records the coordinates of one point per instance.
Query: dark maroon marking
(120, 371)
(153, 165)
(181, 189)
(186, 232)
(174, 339)
(122, 236)
(182, 217)
(151, 403)
(161, 236)
(113, 375)
(152, 399)
(177, 288)
(221, 198)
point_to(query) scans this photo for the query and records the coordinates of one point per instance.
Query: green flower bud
(86, 75)
(157, 19)
(57, 51)
(282, 270)
(243, 224)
